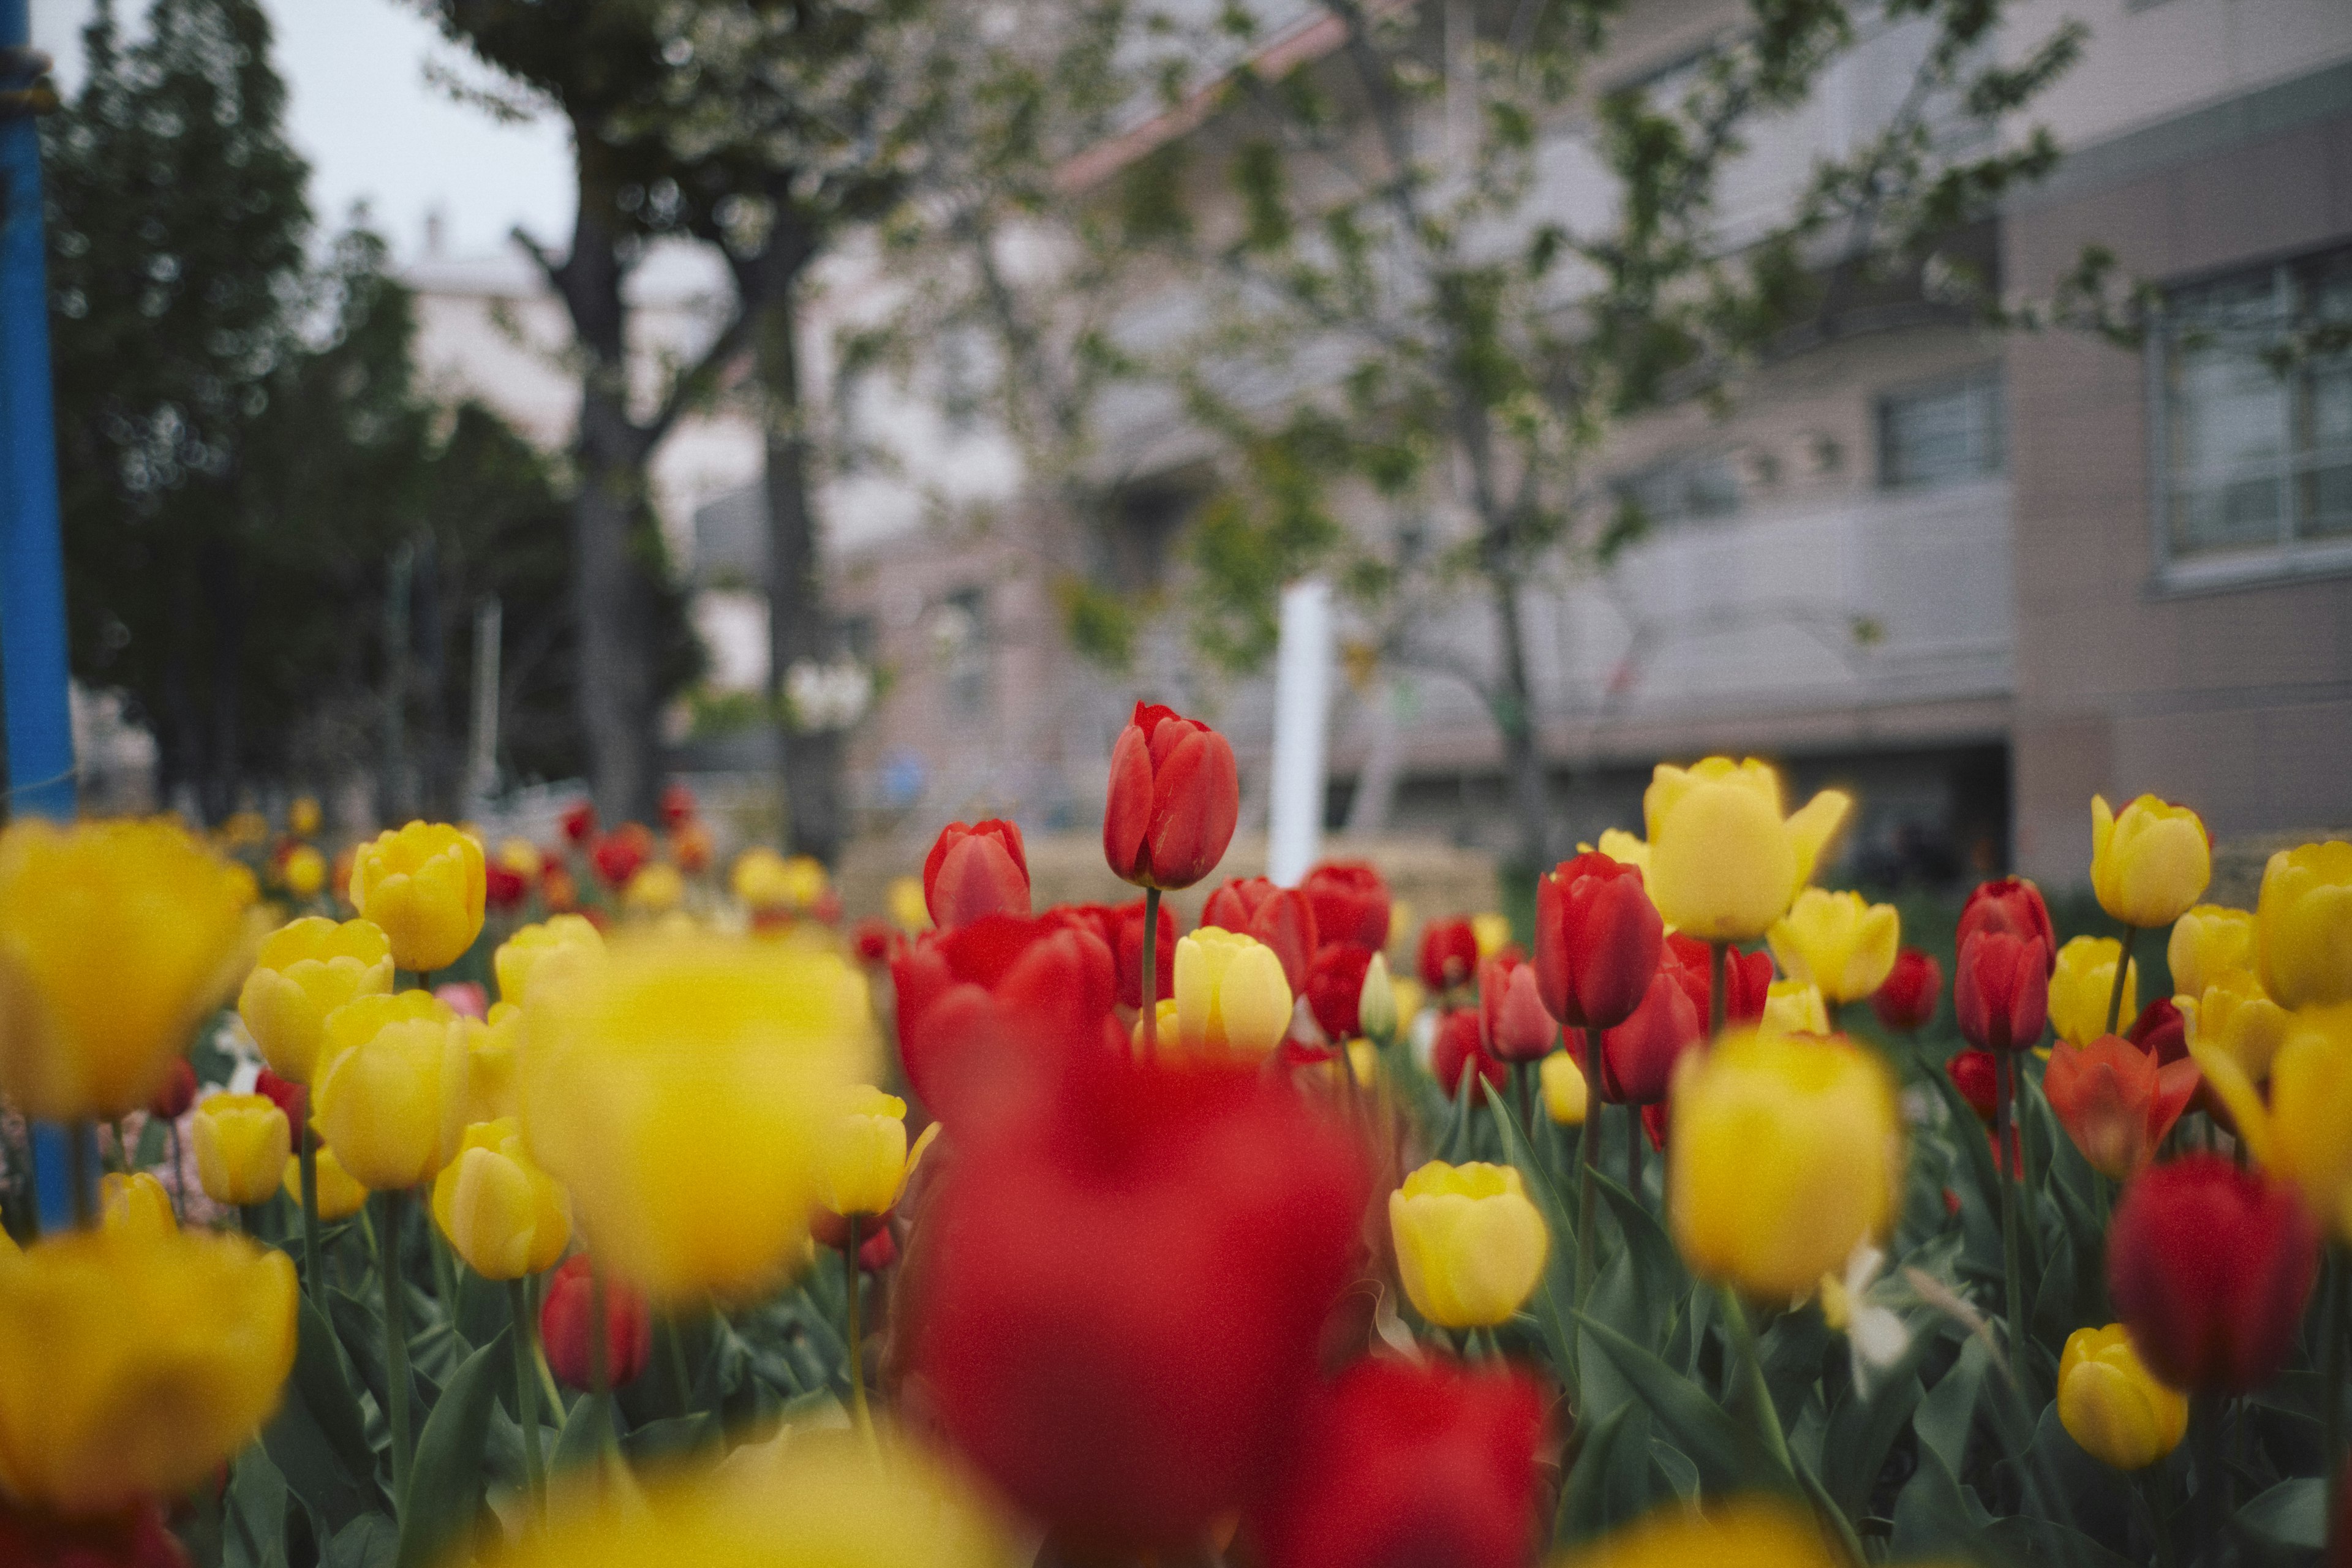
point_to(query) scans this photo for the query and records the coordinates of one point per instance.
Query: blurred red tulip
(1174, 798)
(1351, 903)
(1449, 953)
(1410, 1462)
(982, 1006)
(135, 1536)
(463, 997)
(974, 871)
(567, 1323)
(619, 853)
(1638, 1056)
(691, 848)
(871, 939)
(1905, 1000)
(1335, 986)
(178, 1094)
(287, 1095)
(1514, 1026)
(1977, 1078)
(1598, 938)
(2012, 906)
(2208, 1266)
(1457, 1051)
(1279, 917)
(2115, 1102)
(678, 805)
(1121, 927)
(1747, 978)
(1123, 1292)
(579, 822)
(1657, 1118)
(2001, 993)
(877, 1248)
(2160, 1031)
(503, 888)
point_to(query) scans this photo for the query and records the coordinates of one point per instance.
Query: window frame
(1991, 375)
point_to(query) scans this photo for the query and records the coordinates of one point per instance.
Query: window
(1689, 487)
(959, 628)
(2255, 431)
(1946, 434)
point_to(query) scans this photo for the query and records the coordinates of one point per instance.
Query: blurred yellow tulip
(1786, 1152)
(2303, 924)
(131, 1364)
(2150, 862)
(522, 856)
(137, 1204)
(1724, 863)
(117, 939)
(2112, 1406)
(307, 970)
(2232, 1013)
(1491, 931)
(340, 1197)
(424, 885)
(2209, 941)
(1470, 1245)
(657, 889)
(2082, 985)
(1842, 942)
(1567, 1096)
(503, 1215)
(493, 1054)
(1744, 1533)
(909, 912)
(303, 817)
(305, 871)
(2305, 1132)
(391, 1095)
(1622, 847)
(1231, 996)
(565, 943)
(1793, 1008)
(242, 1142)
(867, 1163)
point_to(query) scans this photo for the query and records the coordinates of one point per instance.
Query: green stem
(1750, 1370)
(2123, 972)
(2151, 1492)
(1150, 1020)
(1634, 1138)
(527, 1390)
(849, 1258)
(306, 1146)
(2332, 1327)
(679, 1375)
(248, 1219)
(2012, 1273)
(1716, 1002)
(178, 1181)
(2215, 1503)
(539, 1353)
(1588, 1138)
(394, 1203)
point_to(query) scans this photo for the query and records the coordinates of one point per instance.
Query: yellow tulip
(680, 1093)
(1745, 1532)
(303, 818)
(908, 910)
(305, 871)
(245, 830)
(1567, 1096)
(136, 1204)
(2233, 1013)
(565, 942)
(1785, 1152)
(2305, 1132)
(1163, 1018)
(423, 884)
(522, 858)
(768, 883)
(1841, 941)
(2112, 1406)
(306, 971)
(1623, 847)
(391, 1094)
(117, 939)
(2208, 942)
(1723, 864)
(503, 1215)
(131, 1364)
(656, 890)
(2081, 984)
(867, 1163)
(1376, 1000)
(1409, 999)
(2150, 863)
(1491, 931)
(2303, 924)
(1470, 1246)
(1793, 1008)
(493, 1054)
(340, 1197)
(1231, 996)
(242, 1141)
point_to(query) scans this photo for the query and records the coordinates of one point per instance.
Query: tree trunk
(1515, 716)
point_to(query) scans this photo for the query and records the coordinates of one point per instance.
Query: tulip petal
(1126, 813)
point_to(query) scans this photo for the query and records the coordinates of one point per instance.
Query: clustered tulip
(1840, 943)
(567, 1327)
(2303, 925)
(1449, 953)
(974, 871)
(2112, 1406)
(305, 972)
(423, 884)
(2084, 983)
(1174, 799)
(2232, 1015)
(999, 996)
(1230, 994)
(1905, 1000)
(242, 1143)
(1335, 988)
(2209, 943)
(1598, 938)
(392, 1091)
(1638, 1055)
(1470, 1246)
(2150, 863)
(2208, 1266)
(501, 1212)
(1723, 864)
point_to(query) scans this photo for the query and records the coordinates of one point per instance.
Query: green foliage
(1099, 624)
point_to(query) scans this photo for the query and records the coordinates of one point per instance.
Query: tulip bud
(866, 1160)
(1786, 1151)
(1598, 938)
(392, 1093)
(1470, 1246)
(1723, 864)
(137, 1204)
(2115, 1102)
(2303, 925)
(579, 822)
(1449, 953)
(2150, 863)
(241, 1145)
(1906, 1002)
(178, 1094)
(1230, 994)
(974, 871)
(1565, 1094)
(1174, 799)
(1513, 1025)
(1351, 903)
(503, 1215)
(655, 889)
(424, 885)
(567, 1319)
(2083, 984)
(2112, 1406)
(2206, 943)
(1793, 1008)
(2012, 906)
(340, 1197)
(1840, 943)
(2000, 994)
(1976, 1076)
(1335, 988)
(1376, 1003)
(2209, 1266)
(564, 945)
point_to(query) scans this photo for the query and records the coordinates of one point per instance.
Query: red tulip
(1120, 926)
(134, 1537)
(503, 888)
(983, 1007)
(871, 939)
(2160, 1031)
(1174, 798)
(2002, 991)
(2011, 905)
(877, 1248)
(1282, 917)
(179, 1092)
(1638, 1056)
(1513, 1023)
(579, 822)
(619, 853)
(289, 1097)
(2208, 1266)
(1905, 1000)
(1335, 985)
(974, 871)
(567, 1324)
(678, 805)
(1747, 978)
(2115, 1102)
(1449, 953)
(1977, 1078)
(1405, 1462)
(1656, 1119)
(1598, 938)
(691, 848)
(1123, 1292)
(1457, 1049)
(1351, 903)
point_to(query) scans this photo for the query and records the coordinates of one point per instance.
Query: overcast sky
(374, 130)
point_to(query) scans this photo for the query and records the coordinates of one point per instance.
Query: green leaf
(583, 1433)
(1861, 1430)
(1931, 1516)
(319, 1436)
(256, 1514)
(1657, 1268)
(1726, 1457)
(445, 1486)
(481, 1309)
(361, 1329)
(2023, 1538)
(1605, 1487)
(1949, 1410)
(2291, 1513)
(370, 1541)
(672, 1437)
(1557, 1289)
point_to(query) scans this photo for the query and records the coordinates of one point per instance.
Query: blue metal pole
(32, 565)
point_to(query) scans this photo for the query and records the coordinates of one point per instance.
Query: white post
(1302, 702)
